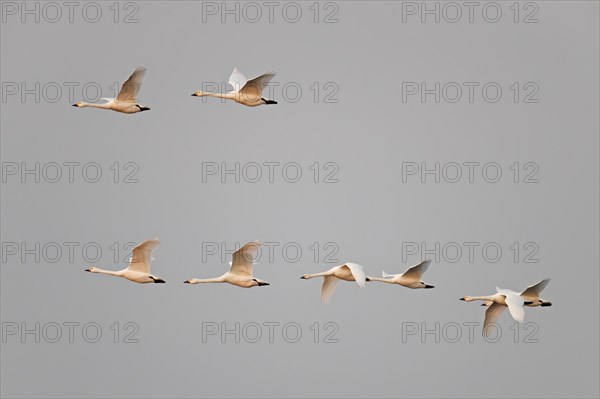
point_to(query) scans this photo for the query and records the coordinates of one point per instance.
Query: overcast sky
(353, 146)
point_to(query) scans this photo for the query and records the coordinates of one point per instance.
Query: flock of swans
(245, 91)
(249, 92)
(240, 274)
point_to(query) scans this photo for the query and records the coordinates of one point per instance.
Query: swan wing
(237, 79)
(506, 292)
(328, 288)
(358, 273)
(515, 307)
(535, 290)
(142, 256)
(492, 313)
(417, 271)
(131, 87)
(254, 87)
(244, 258)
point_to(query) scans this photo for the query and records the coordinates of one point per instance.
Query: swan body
(346, 272)
(126, 101)
(138, 270)
(245, 91)
(410, 278)
(240, 271)
(496, 303)
(532, 295)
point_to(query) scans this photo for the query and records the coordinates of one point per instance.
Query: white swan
(240, 271)
(126, 101)
(347, 272)
(246, 92)
(532, 295)
(410, 278)
(139, 265)
(498, 302)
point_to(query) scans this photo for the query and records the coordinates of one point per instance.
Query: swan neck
(482, 298)
(109, 272)
(323, 274)
(93, 105)
(207, 280)
(221, 95)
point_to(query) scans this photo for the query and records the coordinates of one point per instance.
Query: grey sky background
(368, 214)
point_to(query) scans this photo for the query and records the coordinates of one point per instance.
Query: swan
(347, 272)
(532, 295)
(498, 302)
(246, 92)
(139, 265)
(126, 101)
(410, 278)
(240, 270)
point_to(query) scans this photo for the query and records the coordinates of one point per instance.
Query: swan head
(188, 281)
(471, 299)
(91, 269)
(198, 94)
(79, 104)
(305, 277)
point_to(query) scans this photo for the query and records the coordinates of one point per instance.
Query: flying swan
(126, 101)
(532, 295)
(410, 278)
(246, 92)
(240, 271)
(515, 302)
(347, 272)
(139, 265)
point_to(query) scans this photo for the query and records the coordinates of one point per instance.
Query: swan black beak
(194, 95)
(367, 279)
(429, 286)
(88, 270)
(186, 282)
(74, 105)
(461, 299)
(546, 304)
(302, 278)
